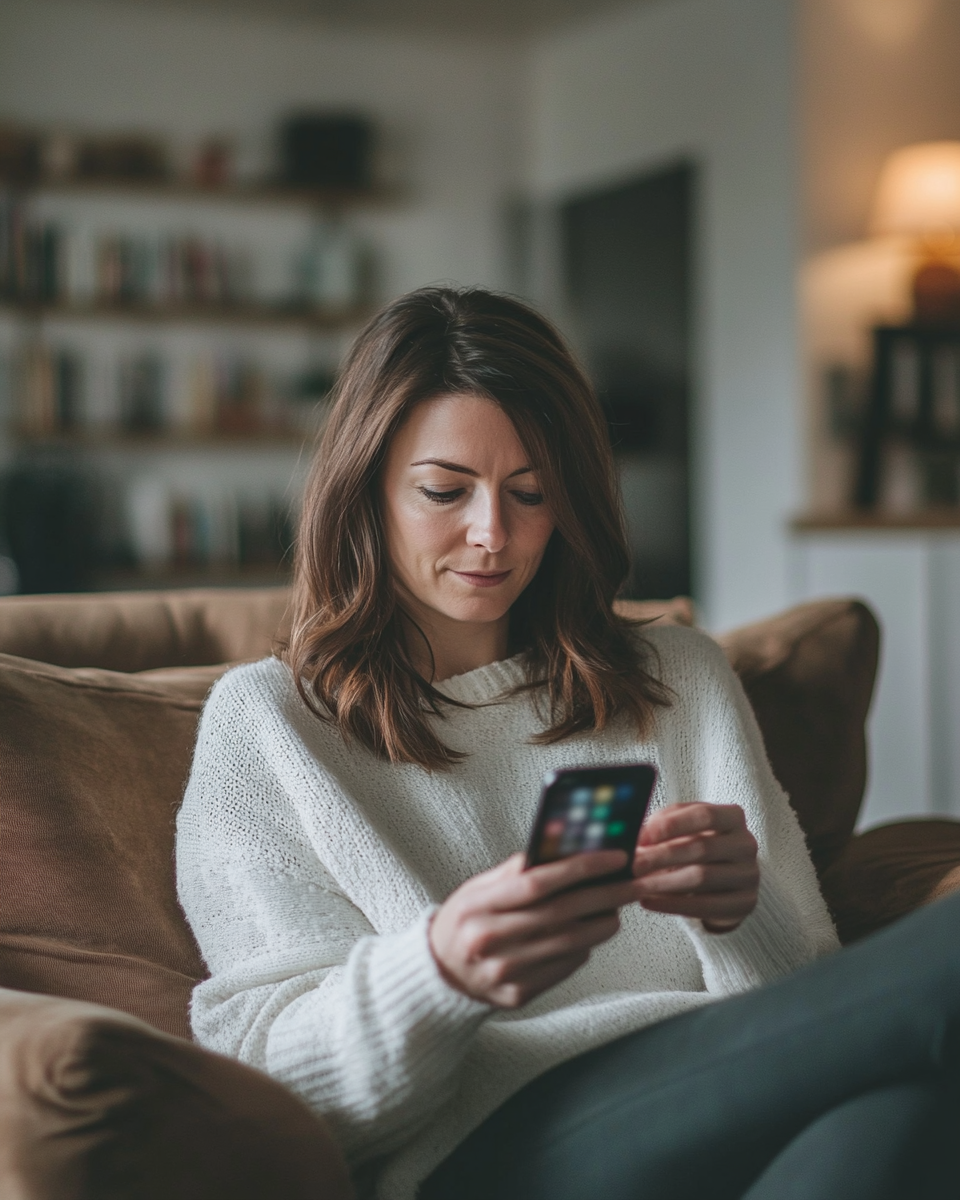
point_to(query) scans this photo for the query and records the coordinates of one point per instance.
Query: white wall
(877, 74)
(710, 80)
(451, 108)
(911, 580)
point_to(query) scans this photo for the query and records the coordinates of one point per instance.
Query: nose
(486, 529)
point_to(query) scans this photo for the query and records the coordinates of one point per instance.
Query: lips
(482, 579)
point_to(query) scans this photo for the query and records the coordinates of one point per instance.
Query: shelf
(164, 440)
(265, 315)
(173, 189)
(867, 520)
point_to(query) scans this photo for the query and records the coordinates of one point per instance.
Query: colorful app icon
(594, 834)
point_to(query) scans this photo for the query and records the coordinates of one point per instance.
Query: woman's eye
(441, 497)
(530, 498)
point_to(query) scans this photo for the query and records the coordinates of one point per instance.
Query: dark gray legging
(840, 1082)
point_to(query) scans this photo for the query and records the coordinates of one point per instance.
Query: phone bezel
(593, 776)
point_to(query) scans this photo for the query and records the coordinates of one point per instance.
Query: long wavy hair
(348, 647)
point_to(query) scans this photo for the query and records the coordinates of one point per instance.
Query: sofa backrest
(142, 631)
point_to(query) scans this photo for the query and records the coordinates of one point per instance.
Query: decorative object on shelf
(59, 152)
(910, 439)
(326, 157)
(918, 196)
(49, 387)
(173, 528)
(168, 271)
(213, 163)
(219, 396)
(326, 150)
(28, 157)
(143, 393)
(328, 272)
(49, 523)
(45, 269)
(20, 161)
(136, 157)
(31, 255)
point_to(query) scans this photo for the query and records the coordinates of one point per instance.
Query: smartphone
(591, 808)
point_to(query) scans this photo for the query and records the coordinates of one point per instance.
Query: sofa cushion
(889, 871)
(95, 1105)
(93, 765)
(138, 631)
(809, 673)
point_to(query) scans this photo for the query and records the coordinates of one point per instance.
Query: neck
(455, 646)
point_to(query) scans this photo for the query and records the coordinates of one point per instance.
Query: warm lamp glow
(919, 191)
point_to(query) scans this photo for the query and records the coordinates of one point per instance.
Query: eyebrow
(462, 470)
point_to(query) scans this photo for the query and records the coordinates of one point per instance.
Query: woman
(349, 848)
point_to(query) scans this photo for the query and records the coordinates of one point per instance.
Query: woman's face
(465, 522)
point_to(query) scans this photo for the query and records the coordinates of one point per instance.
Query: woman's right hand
(508, 934)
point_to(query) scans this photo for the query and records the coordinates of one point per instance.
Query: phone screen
(591, 808)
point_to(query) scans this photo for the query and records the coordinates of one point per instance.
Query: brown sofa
(101, 1092)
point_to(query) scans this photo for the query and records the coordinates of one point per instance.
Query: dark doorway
(627, 271)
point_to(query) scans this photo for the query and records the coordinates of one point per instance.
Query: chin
(477, 611)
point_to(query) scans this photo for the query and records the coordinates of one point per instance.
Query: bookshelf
(154, 386)
(129, 441)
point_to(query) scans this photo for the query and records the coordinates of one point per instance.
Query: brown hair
(347, 647)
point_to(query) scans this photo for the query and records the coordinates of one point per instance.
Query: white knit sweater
(308, 870)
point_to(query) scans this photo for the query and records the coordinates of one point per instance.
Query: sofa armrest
(889, 871)
(95, 1105)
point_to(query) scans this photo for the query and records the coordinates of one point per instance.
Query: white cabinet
(910, 577)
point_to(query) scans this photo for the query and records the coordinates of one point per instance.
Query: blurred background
(743, 213)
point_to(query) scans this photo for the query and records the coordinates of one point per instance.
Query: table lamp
(918, 196)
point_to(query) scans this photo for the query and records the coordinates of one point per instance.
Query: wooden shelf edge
(867, 521)
(188, 314)
(180, 189)
(167, 440)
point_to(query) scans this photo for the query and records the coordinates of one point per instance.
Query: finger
(491, 932)
(517, 890)
(739, 846)
(583, 902)
(514, 993)
(700, 878)
(680, 820)
(568, 939)
(715, 906)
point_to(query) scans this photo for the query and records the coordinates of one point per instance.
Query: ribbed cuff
(765, 946)
(401, 967)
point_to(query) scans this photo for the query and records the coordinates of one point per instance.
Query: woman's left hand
(699, 860)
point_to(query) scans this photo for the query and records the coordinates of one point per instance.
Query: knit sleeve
(727, 764)
(361, 1025)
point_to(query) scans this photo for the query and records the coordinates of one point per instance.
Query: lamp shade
(919, 191)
